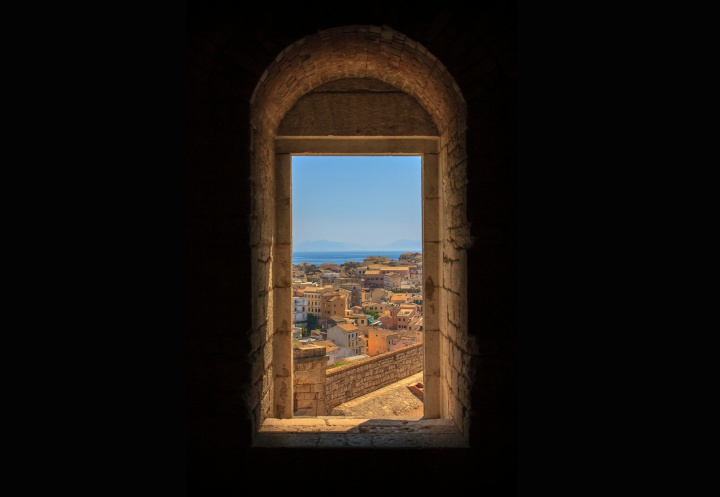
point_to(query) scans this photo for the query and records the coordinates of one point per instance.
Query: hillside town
(358, 310)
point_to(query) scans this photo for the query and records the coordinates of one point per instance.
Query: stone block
(282, 267)
(430, 178)
(431, 221)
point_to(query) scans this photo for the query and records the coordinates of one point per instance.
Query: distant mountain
(330, 246)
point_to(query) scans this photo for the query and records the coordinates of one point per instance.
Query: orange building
(379, 340)
(403, 317)
(333, 304)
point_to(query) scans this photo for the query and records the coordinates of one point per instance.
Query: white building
(300, 308)
(346, 335)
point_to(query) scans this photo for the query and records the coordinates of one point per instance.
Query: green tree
(312, 322)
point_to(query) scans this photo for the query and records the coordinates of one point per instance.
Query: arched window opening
(318, 101)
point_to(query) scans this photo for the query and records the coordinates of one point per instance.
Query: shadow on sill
(357, 432)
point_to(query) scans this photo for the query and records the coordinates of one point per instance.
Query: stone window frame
(437, 428)
(427, 148)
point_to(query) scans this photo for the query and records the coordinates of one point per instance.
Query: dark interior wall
(229, 47)
(370, 108)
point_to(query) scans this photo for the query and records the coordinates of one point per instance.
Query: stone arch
(386, 55)
(357, 52)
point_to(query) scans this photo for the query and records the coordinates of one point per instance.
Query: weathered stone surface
(357, 431)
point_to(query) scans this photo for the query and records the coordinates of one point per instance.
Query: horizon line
(362, 250)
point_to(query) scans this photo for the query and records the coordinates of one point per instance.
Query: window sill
(357, 432)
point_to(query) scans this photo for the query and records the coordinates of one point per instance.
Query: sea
(339, 258)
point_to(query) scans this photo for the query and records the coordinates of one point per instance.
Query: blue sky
(368, 200)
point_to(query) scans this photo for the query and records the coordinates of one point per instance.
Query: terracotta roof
(382, 331)
(325, 343)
